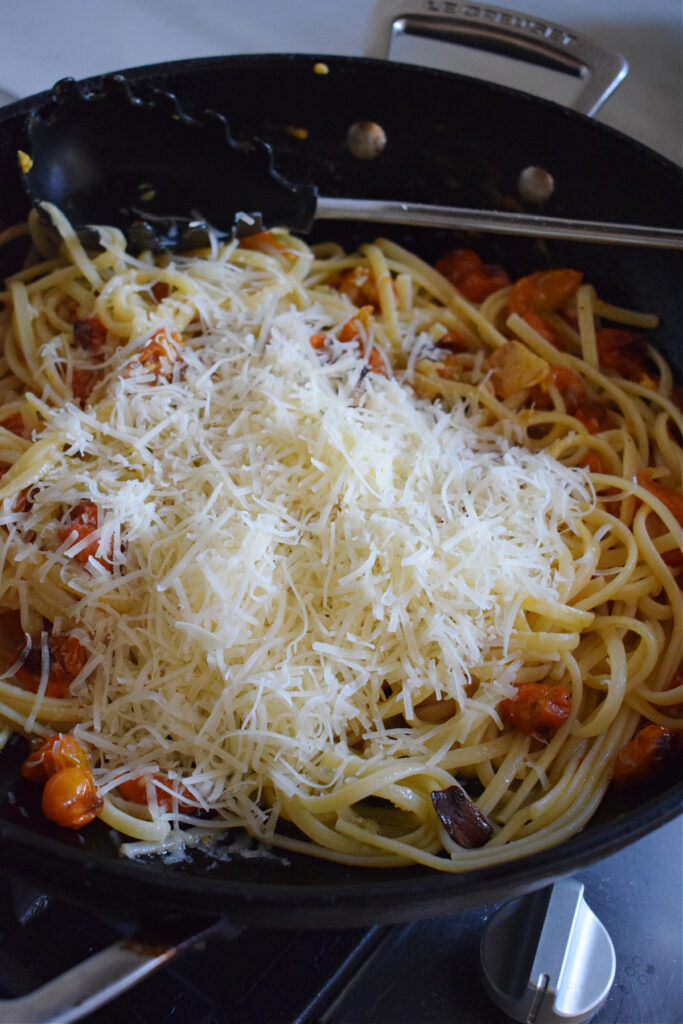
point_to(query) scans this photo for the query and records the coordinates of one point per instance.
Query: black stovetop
(420, 973)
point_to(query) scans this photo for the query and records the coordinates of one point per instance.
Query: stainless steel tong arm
(420, 214)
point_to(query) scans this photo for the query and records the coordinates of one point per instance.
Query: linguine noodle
(312, 521)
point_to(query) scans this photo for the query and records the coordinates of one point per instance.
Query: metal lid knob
(546, 958)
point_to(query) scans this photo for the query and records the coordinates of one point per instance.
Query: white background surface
(42, 41)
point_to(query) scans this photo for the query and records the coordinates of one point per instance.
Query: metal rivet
(365, 140)
(535, 185)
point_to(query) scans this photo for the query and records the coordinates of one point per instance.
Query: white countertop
(42, 41)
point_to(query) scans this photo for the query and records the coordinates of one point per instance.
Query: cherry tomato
(669, 496)
(67, 657)
(83, 523)
(57, 752)
(654, 751)
(70, 797)
(543, 292)
(538, 710)
(465, 269)
(90, 333)
(136, 791)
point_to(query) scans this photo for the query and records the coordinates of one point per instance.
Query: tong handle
(497, 222)
(102, 977)
(509, 33)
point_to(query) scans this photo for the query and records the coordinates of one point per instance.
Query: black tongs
(167, 179)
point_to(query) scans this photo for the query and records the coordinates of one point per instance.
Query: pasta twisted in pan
(377, 561)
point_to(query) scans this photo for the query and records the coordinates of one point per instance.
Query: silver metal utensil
(167, 179)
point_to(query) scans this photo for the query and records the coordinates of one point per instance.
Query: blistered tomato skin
(653, 752)
(467, 271)
(67, 657)
(83, 522)
(56, 753)
(546, 291)
(538, 710)
(70, 798)
(90, 333)
(136, 791)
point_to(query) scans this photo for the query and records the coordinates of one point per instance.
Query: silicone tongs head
(143, 165)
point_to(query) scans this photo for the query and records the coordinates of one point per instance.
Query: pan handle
(104, 976)
(483, 26)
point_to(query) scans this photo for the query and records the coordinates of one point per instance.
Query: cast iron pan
(451, 140)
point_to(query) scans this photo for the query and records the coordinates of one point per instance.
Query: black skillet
(453, 141)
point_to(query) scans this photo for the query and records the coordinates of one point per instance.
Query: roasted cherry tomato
(467, 271)
(669, 496)
(654, 751)
(70, 797)
(136, 791)
(543, 292)
(90, 333)
(538, 710)
(577, 402)
(16, 425)
(83, 520)
(67, 657)
(57, 752)
(625, 352)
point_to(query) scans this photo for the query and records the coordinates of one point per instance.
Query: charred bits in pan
(461, 818)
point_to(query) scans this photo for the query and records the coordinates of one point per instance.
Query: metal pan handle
(509, 33)
(104, 976)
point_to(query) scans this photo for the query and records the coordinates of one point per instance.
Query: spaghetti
(334, 548)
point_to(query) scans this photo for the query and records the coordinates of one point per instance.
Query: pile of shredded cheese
(294, 539)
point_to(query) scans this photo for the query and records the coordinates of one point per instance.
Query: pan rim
(420, 892)
(430, 889)
(192, 64)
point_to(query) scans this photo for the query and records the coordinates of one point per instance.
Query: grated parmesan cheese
(289, 536)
